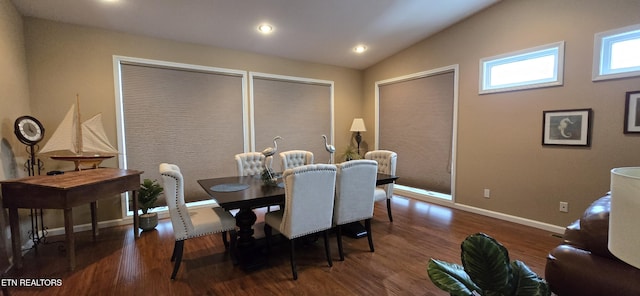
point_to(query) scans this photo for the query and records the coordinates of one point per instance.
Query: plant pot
(148, 221)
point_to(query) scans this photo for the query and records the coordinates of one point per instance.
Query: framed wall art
(632, 113)
(567, 127)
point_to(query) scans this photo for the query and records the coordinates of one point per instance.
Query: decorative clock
(28, 130)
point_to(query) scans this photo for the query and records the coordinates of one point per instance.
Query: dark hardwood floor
(116, 264)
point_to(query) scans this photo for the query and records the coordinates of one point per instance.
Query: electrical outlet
(487, 193)
(564, 206)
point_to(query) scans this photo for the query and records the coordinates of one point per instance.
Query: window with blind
(297, 109)
(191, 116)
(415, 119)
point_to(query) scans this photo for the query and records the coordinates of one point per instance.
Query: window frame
(557, 50)
(424, 194)
(603, 42)
(118, 63)
(289, 143)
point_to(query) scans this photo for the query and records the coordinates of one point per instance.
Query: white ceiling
(322, 31)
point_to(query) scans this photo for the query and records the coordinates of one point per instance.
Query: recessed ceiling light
(360, 49)
(265, 28)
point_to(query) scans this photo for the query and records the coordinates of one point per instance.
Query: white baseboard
(502, 216)
(86, 227)
(422, 197)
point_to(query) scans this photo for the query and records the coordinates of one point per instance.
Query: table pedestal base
(249, 251)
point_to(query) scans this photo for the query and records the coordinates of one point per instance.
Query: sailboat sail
(64, 137)
(94, 139)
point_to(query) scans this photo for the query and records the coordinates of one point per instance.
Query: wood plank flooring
(116, 264)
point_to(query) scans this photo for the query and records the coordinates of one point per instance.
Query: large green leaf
(528, 282)
(451, 277)
(487, 262)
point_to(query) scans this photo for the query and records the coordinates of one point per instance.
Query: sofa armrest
(573, 236)
(594, 226)
(572, 271)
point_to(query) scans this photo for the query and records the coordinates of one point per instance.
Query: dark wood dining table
(247, 193)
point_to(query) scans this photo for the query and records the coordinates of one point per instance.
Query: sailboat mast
(78, 127)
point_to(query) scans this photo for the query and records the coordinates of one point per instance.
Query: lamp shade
(624, 218)
(358, 125)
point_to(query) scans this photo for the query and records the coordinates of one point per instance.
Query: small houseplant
(351, 153)
(268, 177)
(147, 196)
(486, 270)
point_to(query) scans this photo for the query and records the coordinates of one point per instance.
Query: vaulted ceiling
(321, 31)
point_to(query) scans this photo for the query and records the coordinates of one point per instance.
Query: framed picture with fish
(632, 113)
(567, 127)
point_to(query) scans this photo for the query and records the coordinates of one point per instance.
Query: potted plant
(351, 153)
(486, 270)
(268, 177)
(147, 196)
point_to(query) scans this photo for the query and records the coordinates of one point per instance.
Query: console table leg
(69, 237)
(14, 223)
(136, 221)
(94, 219)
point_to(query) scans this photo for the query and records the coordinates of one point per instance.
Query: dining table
(246, 193)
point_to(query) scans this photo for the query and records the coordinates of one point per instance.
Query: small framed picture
(567, 127)
(632, 113)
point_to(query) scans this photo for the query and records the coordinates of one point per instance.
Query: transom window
(530, 68)
(617, 53)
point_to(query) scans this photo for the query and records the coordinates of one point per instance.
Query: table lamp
(358, 126)
(624, 233)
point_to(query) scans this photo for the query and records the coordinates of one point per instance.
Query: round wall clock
(28, 130)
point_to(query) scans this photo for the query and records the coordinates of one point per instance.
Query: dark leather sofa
(582, 264)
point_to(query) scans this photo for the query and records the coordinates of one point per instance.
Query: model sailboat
(86, 143)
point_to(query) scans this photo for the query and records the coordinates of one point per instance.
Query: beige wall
(14, 98)
(499, 135)
(14, 102)
(66, 59)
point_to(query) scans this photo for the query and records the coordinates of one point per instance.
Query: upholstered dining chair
(308, 207)
(386, 165)
(355, 186)
(295, 158)
(192, 222)
(250, 163)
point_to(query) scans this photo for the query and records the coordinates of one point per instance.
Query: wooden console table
(64, 192)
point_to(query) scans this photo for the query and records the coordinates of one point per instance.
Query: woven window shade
(298, 112)
(190, 118)
(416, 121)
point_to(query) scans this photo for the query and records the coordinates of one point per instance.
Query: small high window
(617, 53)
(530, 68)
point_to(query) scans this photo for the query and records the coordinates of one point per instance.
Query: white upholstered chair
(308, 208)
(295, 158)
(386, 165)
(192, 222)
(355, 185)
(250, 163)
